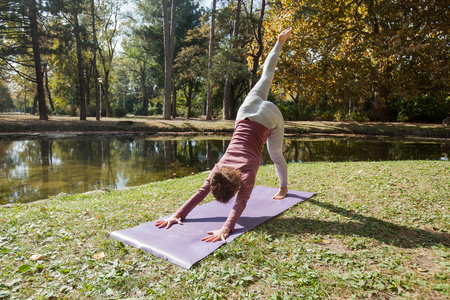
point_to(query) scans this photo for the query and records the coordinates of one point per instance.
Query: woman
(257, 121)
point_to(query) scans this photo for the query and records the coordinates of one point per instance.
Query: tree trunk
(174, 102)
(210, 62)
(81, 79)
(87, 79)
(33, 108)
(37, 60)
(49, 94)
(188, 96)
(94, 65)
(259, 40)
(106, 94)
(169, 45)
(144, 91)
(227, 95)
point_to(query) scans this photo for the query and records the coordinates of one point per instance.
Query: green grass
(373, 230)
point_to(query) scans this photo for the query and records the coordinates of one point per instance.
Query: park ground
(26, 125)
(374, 230)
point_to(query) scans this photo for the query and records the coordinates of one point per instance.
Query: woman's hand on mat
(217, 235)
(284, 35)
(168, 222)
(282, 192)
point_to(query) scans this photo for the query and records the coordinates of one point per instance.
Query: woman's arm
(233, 217)
(186, 208)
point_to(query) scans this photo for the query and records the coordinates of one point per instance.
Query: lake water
(38, 168)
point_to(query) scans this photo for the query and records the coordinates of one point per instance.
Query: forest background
(360, 60)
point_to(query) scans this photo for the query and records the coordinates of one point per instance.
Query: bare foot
(284, 35)
(282, 192)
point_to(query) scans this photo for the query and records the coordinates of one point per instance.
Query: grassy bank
(26, 124)
(374, 229)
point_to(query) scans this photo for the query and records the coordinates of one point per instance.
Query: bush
(325, 116)
(61, 111)
(423, 109)
(71, 110)
(137, 109)
(359, 117)
(119, 112)
(340, 116)
(91, 110)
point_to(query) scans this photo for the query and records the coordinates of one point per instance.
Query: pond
(41, 167)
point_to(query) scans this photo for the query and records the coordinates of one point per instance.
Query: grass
(374, 230)
(26, 124)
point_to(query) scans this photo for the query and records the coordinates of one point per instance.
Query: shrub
(91, 110)
(137, 109)
(359, 117)
(71, 110)
(325, 116)
(423, 109)
(119, 112)
(340, 116)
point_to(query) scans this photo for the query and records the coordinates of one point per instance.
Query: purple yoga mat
(181, 244)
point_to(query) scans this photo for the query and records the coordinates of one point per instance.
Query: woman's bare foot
(282, 192)
(284, 35)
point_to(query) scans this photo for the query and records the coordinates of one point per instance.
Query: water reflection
(363, 150)
(37, 169)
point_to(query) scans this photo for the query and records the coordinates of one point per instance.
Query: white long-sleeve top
(258, 109)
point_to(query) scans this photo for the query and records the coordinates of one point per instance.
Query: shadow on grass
(363, 226)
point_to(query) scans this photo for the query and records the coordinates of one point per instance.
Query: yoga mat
(182, 245)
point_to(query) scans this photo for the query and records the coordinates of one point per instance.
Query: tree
(227, 97)
(145, 26)
(256, 56)
(190, 65)
(20, 32)
(35, 41)
(81, 78)
(94, 63)
(347, 55)
(139, 56)
(109, 15)
(6, 102)
(169, 46)
(210, 62)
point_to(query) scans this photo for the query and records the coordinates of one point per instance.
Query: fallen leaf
(24, 268)
(326, 242)
(422, 270)
(35, 257)
(99, 255)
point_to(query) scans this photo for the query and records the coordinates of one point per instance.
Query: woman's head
(225, 183)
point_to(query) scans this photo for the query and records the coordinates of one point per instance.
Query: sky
(205, 3)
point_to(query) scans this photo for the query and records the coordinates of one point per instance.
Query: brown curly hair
(225, 183)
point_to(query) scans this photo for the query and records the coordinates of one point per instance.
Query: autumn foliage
(368, 58)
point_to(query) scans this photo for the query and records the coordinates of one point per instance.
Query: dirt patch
(334, 245)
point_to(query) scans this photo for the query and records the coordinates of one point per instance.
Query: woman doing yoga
(257, 121)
